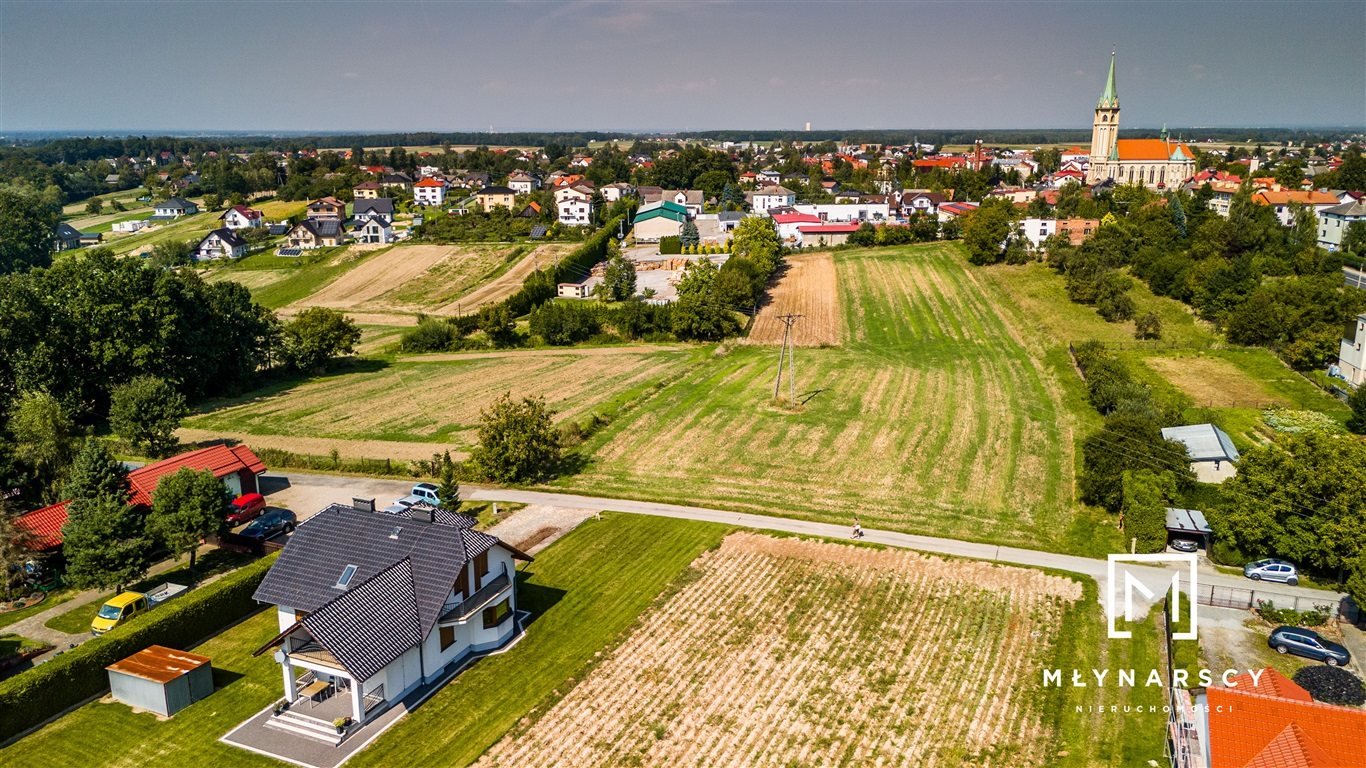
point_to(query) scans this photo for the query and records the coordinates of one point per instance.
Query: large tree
(1146, 496)
(1303, 498)
(1127, 441)
(146, 412)
(619, 277)
(518, 441)
(27, 224)
(986, 232)
(104, 539)
(318, 334)
(756, 239)
(45, 439)
(186, 507)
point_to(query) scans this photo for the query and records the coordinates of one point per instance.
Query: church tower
(1105, 131)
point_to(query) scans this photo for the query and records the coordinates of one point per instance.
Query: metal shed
(161, 680)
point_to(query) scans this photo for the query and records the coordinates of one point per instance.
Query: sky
(621, 66)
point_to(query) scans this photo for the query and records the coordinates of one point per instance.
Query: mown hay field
(933, 418)
(439, 401)
(807, 287)
(790, 652)
(423, 278)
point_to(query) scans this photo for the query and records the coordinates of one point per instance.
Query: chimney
(364, 505)
(422, 512)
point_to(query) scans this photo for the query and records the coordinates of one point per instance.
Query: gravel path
(537, 526)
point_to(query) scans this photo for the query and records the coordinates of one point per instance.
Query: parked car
(269, 524)
(1309, 644)
(126, 605)
(422, 492)
(246, 508)
(1272, 569)
(1185, 545)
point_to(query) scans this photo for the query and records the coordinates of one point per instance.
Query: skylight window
(345, 579)
(397, 530)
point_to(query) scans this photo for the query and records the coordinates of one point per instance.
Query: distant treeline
(75, 150)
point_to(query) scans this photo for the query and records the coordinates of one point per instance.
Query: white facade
(455, 636)
(375, 230)
(215, 246)
(575, 212)
(235, 219)
(1352, 354)
(773, 197)
(433, 194)
(1333, 223)
(838, 212)
(614, 192)
(1038, 230)
(129, 226)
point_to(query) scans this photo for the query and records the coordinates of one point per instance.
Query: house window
(481, 565)
(447, 637)
(299, 615)
(497, 614)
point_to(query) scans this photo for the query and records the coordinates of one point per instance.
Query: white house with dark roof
(1352, 352)
(371, 606)
(1211, 451)
(373, 230)
(367, 208)
(174, 208)
(221, 243)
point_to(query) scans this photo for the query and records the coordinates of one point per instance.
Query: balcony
(312, 651)
(459, 611)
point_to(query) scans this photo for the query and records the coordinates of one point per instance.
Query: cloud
(350, 75)
(1197, 71)
(776, 82)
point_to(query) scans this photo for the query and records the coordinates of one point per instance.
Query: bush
(1331, 685)
(1312, 618)
(31, 697)
(431, 334)
(563, 323)
(670, 245)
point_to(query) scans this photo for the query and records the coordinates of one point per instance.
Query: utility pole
(787, 351)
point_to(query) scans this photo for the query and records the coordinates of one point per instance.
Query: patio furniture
(313, 690)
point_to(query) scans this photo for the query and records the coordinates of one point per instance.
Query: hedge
(540, 286)
(33, 696)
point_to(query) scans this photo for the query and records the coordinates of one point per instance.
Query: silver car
(1272, 569)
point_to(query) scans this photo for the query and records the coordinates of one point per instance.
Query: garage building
(161, 680)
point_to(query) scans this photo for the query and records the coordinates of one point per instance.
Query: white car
(422, 492)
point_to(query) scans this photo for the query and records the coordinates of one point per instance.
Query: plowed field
(806, 287)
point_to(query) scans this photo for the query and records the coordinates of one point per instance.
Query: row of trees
(97, 341)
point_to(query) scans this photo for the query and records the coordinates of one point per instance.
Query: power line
(786, 350)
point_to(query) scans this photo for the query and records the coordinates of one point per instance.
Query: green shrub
(670, 246)
(1316, 617)
(35, 695)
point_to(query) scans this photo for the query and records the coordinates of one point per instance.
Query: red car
(246, 507)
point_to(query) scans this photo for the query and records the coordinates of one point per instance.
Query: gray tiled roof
(384, 205)
(372, 624)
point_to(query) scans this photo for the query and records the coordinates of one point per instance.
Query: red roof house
(237, 466)
(1276, 723)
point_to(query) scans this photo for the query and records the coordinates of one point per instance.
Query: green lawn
(297, 277)
(13, 645)
(184, 228)
(54, 598)
(939, 416)
(76, 620)
(585, 592)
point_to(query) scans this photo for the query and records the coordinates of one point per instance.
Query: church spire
(1110, 98)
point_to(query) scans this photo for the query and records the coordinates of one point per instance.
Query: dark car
(269, 524)
(1185, 545)
(246, 507)
(1309, 644)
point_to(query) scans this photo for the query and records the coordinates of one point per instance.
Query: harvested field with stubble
(438, 401)
(799, 653)
(1212, 382)
(806, 287)
(933, 417)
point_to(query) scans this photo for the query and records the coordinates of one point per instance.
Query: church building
(1154, 163)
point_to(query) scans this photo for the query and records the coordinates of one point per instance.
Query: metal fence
(1247, 599)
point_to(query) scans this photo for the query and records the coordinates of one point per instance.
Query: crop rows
(799, 653)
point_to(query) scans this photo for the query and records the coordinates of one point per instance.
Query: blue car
(1309, 644)
(269, 524)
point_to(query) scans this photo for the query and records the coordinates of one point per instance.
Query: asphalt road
(316, 491)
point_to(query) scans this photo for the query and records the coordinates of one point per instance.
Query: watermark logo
(1131, 581)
